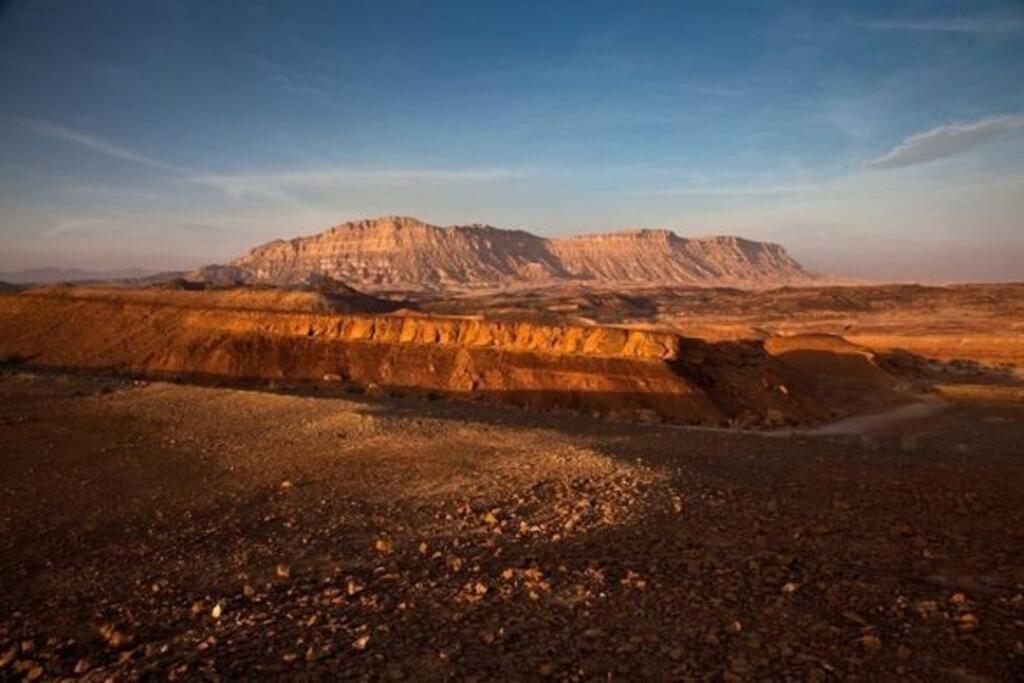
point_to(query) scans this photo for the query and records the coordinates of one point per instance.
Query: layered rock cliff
(608, 370)
(400, 253)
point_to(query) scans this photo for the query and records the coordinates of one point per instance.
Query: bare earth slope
(400, 253)
(164, 531)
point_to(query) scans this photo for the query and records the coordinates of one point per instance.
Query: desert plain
(232, 482)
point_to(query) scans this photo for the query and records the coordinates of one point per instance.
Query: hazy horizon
(871, 139)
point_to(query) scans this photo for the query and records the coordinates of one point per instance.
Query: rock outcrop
(399, 253)
(608, 370)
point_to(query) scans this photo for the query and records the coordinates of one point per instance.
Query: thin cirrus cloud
(70, 226)
(58, 132)
(946, 141)
(730, 190)
(242, 184)
(979, 25)
(275, 185)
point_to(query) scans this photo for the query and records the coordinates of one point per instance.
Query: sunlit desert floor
(151, 529)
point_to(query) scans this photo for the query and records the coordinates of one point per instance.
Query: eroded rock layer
(609, 370)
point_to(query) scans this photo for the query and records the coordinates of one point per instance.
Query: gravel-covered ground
(160, 530)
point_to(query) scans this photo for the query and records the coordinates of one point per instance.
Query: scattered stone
(871, 643)
(967, 623)
(115, 639)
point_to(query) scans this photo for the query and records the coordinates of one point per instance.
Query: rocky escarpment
(399, 253)
(661, 256)
(608, 370)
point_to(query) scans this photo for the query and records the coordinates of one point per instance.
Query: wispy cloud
(241, 184)
(988, 24)
(730, 190)
(946, 141)
(115, 151)
(278, 185)
(724, 90)
(70, 226)
(715, 90)
(299, 82)
(57, 132)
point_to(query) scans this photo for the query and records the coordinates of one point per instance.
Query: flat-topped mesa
(403, 253)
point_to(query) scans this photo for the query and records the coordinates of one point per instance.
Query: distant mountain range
(401, 253)
(47, 275)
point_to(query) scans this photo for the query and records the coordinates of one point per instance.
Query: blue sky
(873, 139)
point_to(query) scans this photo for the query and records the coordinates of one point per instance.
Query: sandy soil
(177, 531)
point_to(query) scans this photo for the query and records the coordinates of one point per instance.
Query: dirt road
(178, 531)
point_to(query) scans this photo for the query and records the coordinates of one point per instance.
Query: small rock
(216, 611)
(870, 643)
(967, 623)
(283, 571)
(115, 639)
(361, 642)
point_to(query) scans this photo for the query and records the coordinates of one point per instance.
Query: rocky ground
(170, 531)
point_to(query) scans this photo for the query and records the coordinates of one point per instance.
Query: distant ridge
(49, 275)
(402, 253)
